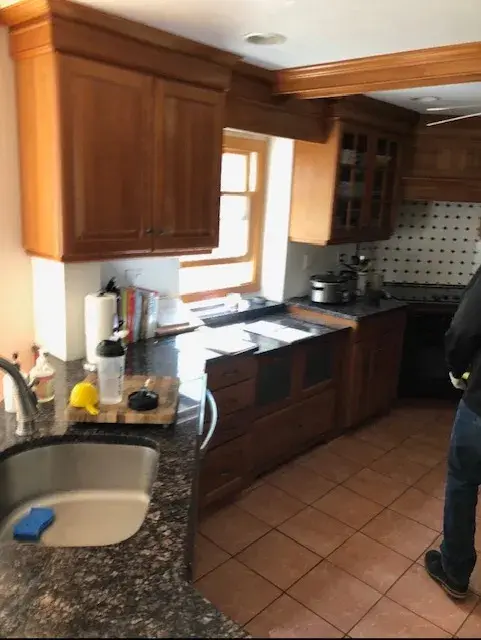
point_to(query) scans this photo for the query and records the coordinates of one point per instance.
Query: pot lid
(327, 278)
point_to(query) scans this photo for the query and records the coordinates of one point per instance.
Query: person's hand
(458, 383)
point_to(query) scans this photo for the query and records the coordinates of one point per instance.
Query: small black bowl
(143, 400)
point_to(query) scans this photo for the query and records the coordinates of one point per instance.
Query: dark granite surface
(240, 330)
(140, 587)
(248, 309)
(356, 310)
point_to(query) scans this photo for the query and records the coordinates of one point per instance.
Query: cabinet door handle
(149, 231)
(213, 420)
(161, 232)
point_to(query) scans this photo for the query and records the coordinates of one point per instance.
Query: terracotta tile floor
(333, 542)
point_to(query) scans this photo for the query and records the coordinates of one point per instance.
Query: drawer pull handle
(224, 474)
(235, 372)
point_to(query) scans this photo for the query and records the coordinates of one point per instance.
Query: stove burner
(425, 293)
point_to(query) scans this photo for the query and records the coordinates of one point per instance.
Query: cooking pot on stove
(329, 288)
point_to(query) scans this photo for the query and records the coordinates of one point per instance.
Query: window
(235, 265)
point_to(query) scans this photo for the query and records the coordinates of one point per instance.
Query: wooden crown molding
(40, 26)
(27, 11)
(424, 67)
(371, 112)
(252, 105)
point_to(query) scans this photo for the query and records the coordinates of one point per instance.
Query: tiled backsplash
(433, 243)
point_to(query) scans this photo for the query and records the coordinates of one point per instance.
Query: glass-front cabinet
(347, 189)
(366, 186)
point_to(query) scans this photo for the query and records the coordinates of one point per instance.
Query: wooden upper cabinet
(189, 123)
(121, 163)
(106, 118)
(120, 148)
(345, 190)
(444, 162)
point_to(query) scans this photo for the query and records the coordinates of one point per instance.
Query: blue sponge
(32, 525)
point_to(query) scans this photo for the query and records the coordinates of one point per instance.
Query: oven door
(424, 372)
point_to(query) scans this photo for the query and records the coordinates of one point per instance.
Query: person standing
(453, 564)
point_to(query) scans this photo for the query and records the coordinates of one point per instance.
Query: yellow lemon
(465, 376)
(85, 396)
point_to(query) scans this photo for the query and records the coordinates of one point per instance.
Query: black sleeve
(463, 338)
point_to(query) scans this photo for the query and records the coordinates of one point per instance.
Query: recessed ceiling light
(265, 38)
(426, 99)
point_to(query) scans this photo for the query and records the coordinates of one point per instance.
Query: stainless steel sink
(100, 492)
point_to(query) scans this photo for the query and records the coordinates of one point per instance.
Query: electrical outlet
(132, 275)
(305, 262)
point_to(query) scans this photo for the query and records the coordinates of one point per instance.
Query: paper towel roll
(100, 311)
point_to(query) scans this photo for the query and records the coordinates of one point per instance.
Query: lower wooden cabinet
(375, 364)
(315, 417)
(281, 435)
(273, 407)
(270, 440)
(224, 471)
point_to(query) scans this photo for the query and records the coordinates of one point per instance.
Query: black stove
(424, 372)
(432, 294)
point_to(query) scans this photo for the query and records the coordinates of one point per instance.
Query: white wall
(276, 222)
(16, 318)
(58, 302)
(160, 274)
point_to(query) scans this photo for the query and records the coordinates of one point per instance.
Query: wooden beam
(251, 105)
(451, 64)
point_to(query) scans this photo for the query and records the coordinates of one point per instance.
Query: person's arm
(463, 338)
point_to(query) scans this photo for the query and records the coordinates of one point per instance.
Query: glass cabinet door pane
(341, 213)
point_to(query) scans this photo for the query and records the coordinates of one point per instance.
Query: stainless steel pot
(328, 288)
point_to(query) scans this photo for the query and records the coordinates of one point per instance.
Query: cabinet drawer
(230, 371)
(230, 427)
(224, 471)
(236, 397)
(372, 328)
(312, 418)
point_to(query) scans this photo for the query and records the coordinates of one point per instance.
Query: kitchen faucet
(27, 406)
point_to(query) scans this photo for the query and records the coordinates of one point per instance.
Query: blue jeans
(464, 477)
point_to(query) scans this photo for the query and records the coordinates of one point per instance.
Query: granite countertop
(356, 310)
(140, 587)
(261, 344)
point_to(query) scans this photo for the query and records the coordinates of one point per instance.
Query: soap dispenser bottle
(43, 373)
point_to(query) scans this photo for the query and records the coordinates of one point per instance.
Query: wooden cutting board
(166, 387)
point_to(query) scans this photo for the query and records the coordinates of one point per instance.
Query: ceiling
(317, 31)
(468, 94)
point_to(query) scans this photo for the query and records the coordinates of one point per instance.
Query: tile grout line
(322, 558)
(420, 615)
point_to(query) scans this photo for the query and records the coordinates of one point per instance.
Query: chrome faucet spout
(27, 409)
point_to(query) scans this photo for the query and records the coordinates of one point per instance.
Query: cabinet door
(107, 158)
(311, 419)
(384, 371)
(189, 123)
(224, 471)
(271, 440)
(383, 194)
(359, 406)
(352, 183)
